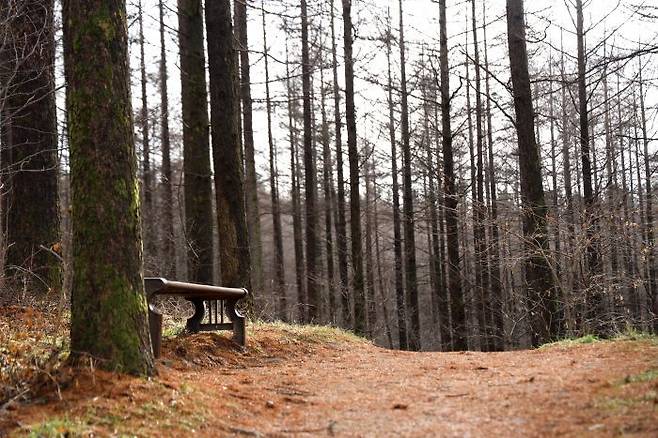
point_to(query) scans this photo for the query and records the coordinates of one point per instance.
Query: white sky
(545, 18)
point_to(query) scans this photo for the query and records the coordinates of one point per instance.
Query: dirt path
(373, 392)
(292, 385)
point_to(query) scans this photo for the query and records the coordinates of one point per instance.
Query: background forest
(433, 175)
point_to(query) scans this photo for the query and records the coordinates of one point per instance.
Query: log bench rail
(216, 301)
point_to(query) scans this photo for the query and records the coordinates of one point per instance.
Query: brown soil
(293, 382)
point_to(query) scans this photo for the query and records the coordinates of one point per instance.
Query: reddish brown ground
(294, 382)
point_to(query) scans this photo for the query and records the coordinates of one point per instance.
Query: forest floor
(317, 381)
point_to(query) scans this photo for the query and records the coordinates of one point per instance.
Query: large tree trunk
(196, 147)
(224, 113)
(250, 180)
(108, 306)
(457, 310)
(411, 282)
(353, 152)
(29, 154)
(277, 235)
(397, 229)
(310, 182)
(168, 254)
(540, 290)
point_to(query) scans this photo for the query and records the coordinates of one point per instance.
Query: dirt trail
(368, 391)
(295, 385)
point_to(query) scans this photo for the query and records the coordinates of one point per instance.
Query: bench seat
(215, 301)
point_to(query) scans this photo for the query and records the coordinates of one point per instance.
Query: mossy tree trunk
(29, 153)
(196, 146)
(229, 186)
(108, 305)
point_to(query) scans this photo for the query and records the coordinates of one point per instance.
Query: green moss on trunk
(108, 306)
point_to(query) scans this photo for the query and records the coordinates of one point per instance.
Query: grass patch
(634, 335)
(647, 376)
(570, 342)
(58, 427)
(312, 334)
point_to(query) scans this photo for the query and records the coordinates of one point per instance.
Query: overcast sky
(550, 24)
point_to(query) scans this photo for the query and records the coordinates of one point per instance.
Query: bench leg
(155, 327)
(239, 324)
(194, 322)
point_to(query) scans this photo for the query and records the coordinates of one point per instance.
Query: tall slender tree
(540, 290)
(295, 195)
(496, 291)
(353, 153)
(29, 159)
(277, 234)
(411, 282)
(196, 146)
(144, 125)
(341, 226)
(108, 306)
(227, 160)
(482, 284)
(652, 296)
(594, 300)
(457, 309)
(250, 176)
(397, 229)
(310, 180)
(168, 257)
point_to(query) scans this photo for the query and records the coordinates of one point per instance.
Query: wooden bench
(216, 301)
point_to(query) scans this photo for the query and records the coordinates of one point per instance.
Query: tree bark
(277, 234)
(341, 226)
(108, 305)
(397, 229)
(168, 257)
(296, 207)
(30, 206)
(541, 293)
(353, 153)
(250, 177)
(497, 297)
(147, 186)
(457, 310)
(411, 282)
(651, 258)
(595, 303)
(196, 147)
(483, 299)
(229, 187)
(310, 182)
